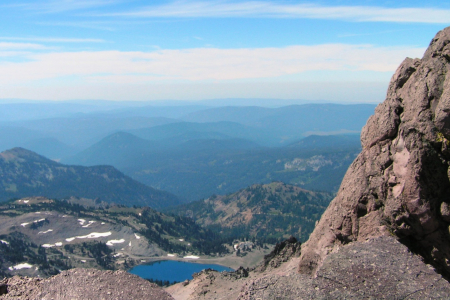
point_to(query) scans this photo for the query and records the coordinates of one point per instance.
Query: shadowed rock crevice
(399, 184)
(282, 252)
(3, 289)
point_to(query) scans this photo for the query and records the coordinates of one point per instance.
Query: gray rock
(282, 252)
(380, 268)
(82, 284)
(399, 184)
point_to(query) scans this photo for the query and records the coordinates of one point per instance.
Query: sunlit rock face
(399, 184)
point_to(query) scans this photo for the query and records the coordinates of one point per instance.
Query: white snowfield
(170, 255)
(4, 242)
(191, 257)
(37, 221)
(47, 231)
(92, 235)
(89, 224)
(111, 242)
(137, 237)
(21, 266)
(81, 221)
(58, 244)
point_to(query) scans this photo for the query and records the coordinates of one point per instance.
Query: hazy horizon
(198, 50)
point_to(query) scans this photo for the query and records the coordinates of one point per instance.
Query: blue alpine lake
(173, 270)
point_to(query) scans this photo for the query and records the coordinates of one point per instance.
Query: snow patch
(83, 261)
(47, 231)
(129, 244)
(58, 244)
(181, 240)
(111, 242)
(137, 237)
(26, 201)
(87, 225)
(4, 242)
(81, 221)
(118, 254)
(170, 255)
(92, 235)
(21, 266)
(191, 257)
(37, 221)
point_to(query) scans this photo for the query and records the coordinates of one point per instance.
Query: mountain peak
(25, 173)
(399, 184)
(21, 154)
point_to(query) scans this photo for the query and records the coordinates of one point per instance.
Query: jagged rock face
(399, 184)
(282, 252)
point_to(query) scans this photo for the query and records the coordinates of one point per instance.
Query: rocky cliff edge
(399, 184)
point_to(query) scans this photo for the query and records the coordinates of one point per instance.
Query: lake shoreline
(250, 259)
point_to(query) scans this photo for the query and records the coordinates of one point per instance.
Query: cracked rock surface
(399, 184)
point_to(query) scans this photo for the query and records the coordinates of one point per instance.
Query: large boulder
(399, 184)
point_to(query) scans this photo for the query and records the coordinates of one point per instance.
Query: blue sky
(336, 51)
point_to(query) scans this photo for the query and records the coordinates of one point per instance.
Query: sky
(332, 51)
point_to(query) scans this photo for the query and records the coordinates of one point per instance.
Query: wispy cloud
(21, 46)
(82, 24)
(57, 6)
(200, 64)
(51, 39)
(343, 35)
(223, 9)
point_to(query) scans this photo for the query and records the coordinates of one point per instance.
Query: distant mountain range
(293, 121)
(24, 173)
(60, 131)
(194, 151)
(198, 168)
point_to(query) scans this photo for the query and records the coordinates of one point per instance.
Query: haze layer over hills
(194, 151)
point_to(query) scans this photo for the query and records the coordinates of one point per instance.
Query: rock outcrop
(282, 252)
(82, 284)
(380, 268)
(399, 184)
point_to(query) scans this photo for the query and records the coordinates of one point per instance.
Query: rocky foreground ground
(82, 284)
(380, 268)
